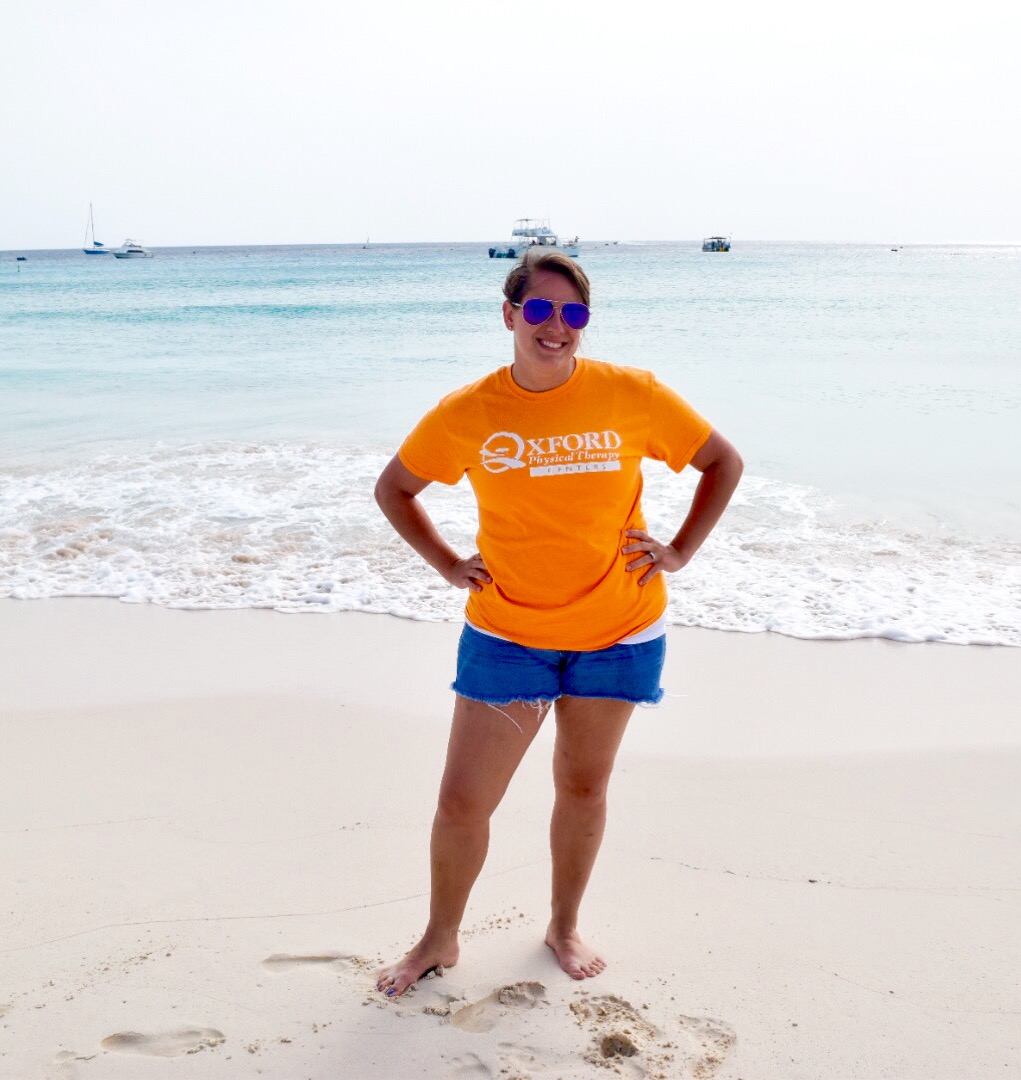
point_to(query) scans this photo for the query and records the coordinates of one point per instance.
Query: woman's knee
(582, 787)
(459, 805)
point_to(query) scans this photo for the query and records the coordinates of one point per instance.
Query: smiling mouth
(546, 344)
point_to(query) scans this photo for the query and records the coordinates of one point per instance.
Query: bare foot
(575, 957)
(426, 956)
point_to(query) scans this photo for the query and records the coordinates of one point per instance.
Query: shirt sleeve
(676, 431)
(430, 451)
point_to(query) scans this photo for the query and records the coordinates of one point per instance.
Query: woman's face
(551, 345)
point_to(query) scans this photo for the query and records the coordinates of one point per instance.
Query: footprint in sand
(694, 1047)
(470, 1068)
(484, 1015)
(65, 1064)
(287, 962)
(619, 1032)
(714, 1039)
(164, 1043)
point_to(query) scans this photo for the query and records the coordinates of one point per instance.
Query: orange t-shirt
(558, 480)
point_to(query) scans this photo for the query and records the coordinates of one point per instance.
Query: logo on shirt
(503, 450)
(552, 455)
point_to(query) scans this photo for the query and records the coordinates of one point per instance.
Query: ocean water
(203, 429)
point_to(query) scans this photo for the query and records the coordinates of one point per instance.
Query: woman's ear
(508, 314)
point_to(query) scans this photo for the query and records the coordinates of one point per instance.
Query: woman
(566, 596)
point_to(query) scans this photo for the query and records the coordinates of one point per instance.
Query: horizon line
(483, 243)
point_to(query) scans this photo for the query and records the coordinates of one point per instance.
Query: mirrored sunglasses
(537, 311)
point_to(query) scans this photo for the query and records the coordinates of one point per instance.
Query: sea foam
(293, 527)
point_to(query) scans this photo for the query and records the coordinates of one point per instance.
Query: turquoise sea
(203, 429)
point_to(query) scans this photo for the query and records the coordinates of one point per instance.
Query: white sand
(213, 827)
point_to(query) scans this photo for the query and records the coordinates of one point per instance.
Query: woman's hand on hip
(470, 573)
(652, 556)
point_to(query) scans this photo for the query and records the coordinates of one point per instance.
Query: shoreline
(217, 826)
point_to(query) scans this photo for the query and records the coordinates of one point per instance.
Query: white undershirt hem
(650, 633)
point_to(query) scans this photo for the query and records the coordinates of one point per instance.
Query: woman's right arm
(397, 491)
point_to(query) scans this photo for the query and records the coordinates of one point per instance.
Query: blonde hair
(555, 262)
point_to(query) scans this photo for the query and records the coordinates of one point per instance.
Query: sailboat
(95, 248)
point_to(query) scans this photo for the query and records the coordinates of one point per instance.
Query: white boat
(534, 232)
(132, 249)
(94, 247)
(716, 243)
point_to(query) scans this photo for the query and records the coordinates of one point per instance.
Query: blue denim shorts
(498, 672)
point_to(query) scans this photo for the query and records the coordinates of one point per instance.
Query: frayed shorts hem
(549, 700)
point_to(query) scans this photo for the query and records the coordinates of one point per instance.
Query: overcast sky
(306, 121)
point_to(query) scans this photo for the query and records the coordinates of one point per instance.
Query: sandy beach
(213, 829)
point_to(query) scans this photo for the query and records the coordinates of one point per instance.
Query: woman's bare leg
(485, 748)
(589, 732)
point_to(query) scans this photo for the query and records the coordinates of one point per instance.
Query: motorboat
(716, 243)
(132, 249)
(93, 247)
(534, 232)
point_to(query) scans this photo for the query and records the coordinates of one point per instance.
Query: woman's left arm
(721, 466)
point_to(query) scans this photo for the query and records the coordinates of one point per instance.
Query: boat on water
(93, 247)
(534, 232)
(716, 243)
(132, 249)
(571, 247)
